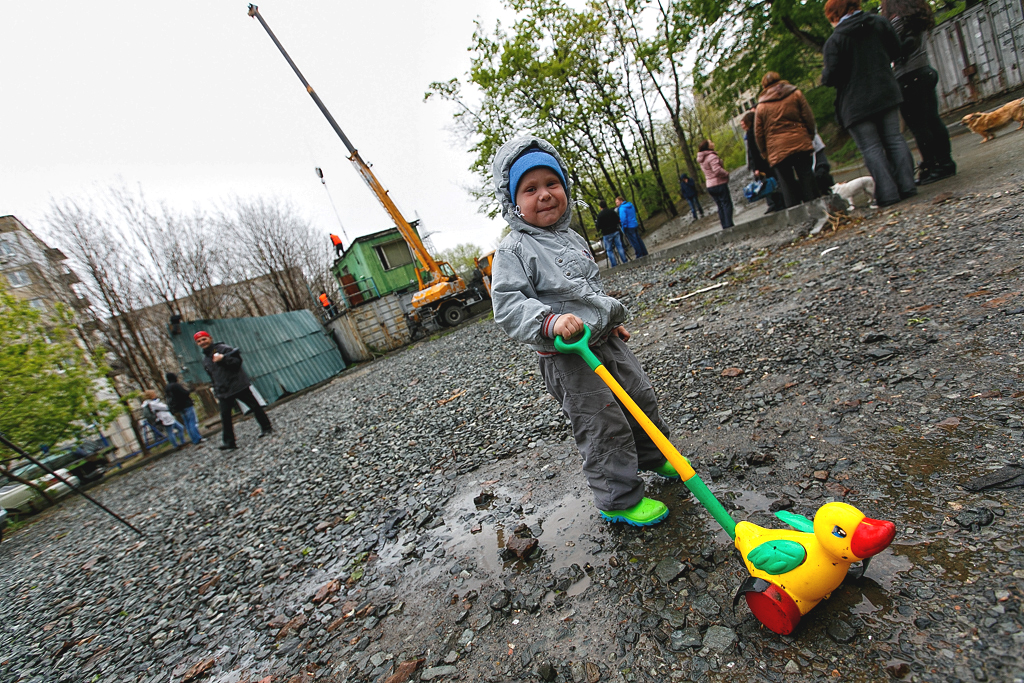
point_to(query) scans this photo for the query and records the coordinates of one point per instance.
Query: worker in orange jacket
(337, 245)
(325, 301)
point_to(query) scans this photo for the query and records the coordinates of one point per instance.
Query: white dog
(864, 184)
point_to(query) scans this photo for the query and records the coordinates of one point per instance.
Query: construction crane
(442, 293)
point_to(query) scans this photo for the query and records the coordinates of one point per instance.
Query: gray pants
(614, 446)
(886, 155)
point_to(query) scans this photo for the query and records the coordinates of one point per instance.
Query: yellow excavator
(443, 296)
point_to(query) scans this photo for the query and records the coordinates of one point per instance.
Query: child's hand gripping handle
(581, 348)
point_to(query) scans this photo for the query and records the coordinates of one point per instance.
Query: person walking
(784, 130)
(223, 364)
(911, 19)
(717, 181)
(611, 233)
(631, 226)
(175, 431)
(179, 401)
(757, 164)
(857, 58)
(688, 189)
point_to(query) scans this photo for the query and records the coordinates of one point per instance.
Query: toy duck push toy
(791, 571)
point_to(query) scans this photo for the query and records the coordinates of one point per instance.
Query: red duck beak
(871, 537)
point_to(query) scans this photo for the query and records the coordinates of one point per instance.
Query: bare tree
(270, 239)
(115, 278)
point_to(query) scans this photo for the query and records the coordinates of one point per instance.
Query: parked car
(24, 499)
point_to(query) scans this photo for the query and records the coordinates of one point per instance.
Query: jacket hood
(500, 168)
(854, 24)
(779, 90)
(701, 156)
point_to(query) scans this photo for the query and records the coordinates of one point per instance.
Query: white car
(22, 499)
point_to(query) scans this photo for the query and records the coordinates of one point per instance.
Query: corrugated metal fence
(979, 53)
(282, 353)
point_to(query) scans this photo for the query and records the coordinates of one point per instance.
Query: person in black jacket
(179, 402)
(857, 58)
(911, 19)
(757, 164)
(611, 233)
(230, 383)
(688, 189)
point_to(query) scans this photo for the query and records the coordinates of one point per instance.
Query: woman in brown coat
(784, 130)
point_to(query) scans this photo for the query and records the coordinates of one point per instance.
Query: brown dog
(985, 124)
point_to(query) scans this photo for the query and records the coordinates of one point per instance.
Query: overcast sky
(192, 100)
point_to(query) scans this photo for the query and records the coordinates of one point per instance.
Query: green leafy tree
(460, 257)
(48, 393)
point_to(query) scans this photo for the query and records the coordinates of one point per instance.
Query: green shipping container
(282, 353)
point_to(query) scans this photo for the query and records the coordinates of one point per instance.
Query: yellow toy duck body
(792, 571)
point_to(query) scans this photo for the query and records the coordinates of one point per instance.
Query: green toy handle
(581, 347)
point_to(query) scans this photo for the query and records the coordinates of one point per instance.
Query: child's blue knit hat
(527, 161)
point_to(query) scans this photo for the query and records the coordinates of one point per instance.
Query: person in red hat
(223, 364)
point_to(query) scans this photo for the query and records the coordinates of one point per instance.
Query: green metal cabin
(375, 265)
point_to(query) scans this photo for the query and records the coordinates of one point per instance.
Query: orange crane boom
(442, 281)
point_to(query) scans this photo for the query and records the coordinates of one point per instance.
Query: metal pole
(5, 442)
(254, 11)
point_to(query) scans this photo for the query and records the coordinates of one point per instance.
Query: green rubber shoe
(644, 513)
(667, 471)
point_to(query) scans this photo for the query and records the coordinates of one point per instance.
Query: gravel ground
(366, 541)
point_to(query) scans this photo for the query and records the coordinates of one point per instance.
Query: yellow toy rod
(681, 465)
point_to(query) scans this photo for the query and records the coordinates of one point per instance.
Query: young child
(545, 283)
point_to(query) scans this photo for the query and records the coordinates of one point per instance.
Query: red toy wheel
(774, 608)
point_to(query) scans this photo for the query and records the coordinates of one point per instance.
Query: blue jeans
(886, 155)
(188, 416)
(173, 429)
(611, 243)
(695, 207)
(633, 235)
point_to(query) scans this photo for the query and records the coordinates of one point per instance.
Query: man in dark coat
(688, 189)
(230, 383)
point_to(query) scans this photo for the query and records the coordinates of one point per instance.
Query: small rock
(719, 638)
(688, 637)
(500, 600)
(791, 667)
(780, 504)
(668, 569)
(732, 372)
(974, 518)
(437, 672)
(821, 475)
(522, 547)
(840, 631)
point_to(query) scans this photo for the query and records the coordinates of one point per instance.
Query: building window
(6, 248)
(19, 278)
(394, 254)
(38, 304)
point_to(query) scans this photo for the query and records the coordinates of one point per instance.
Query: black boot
(266, 432)
(227, 447)
(939, 172)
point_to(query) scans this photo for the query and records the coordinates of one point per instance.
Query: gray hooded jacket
(539, 273)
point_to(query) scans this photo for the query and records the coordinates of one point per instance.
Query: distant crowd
(879, 67)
